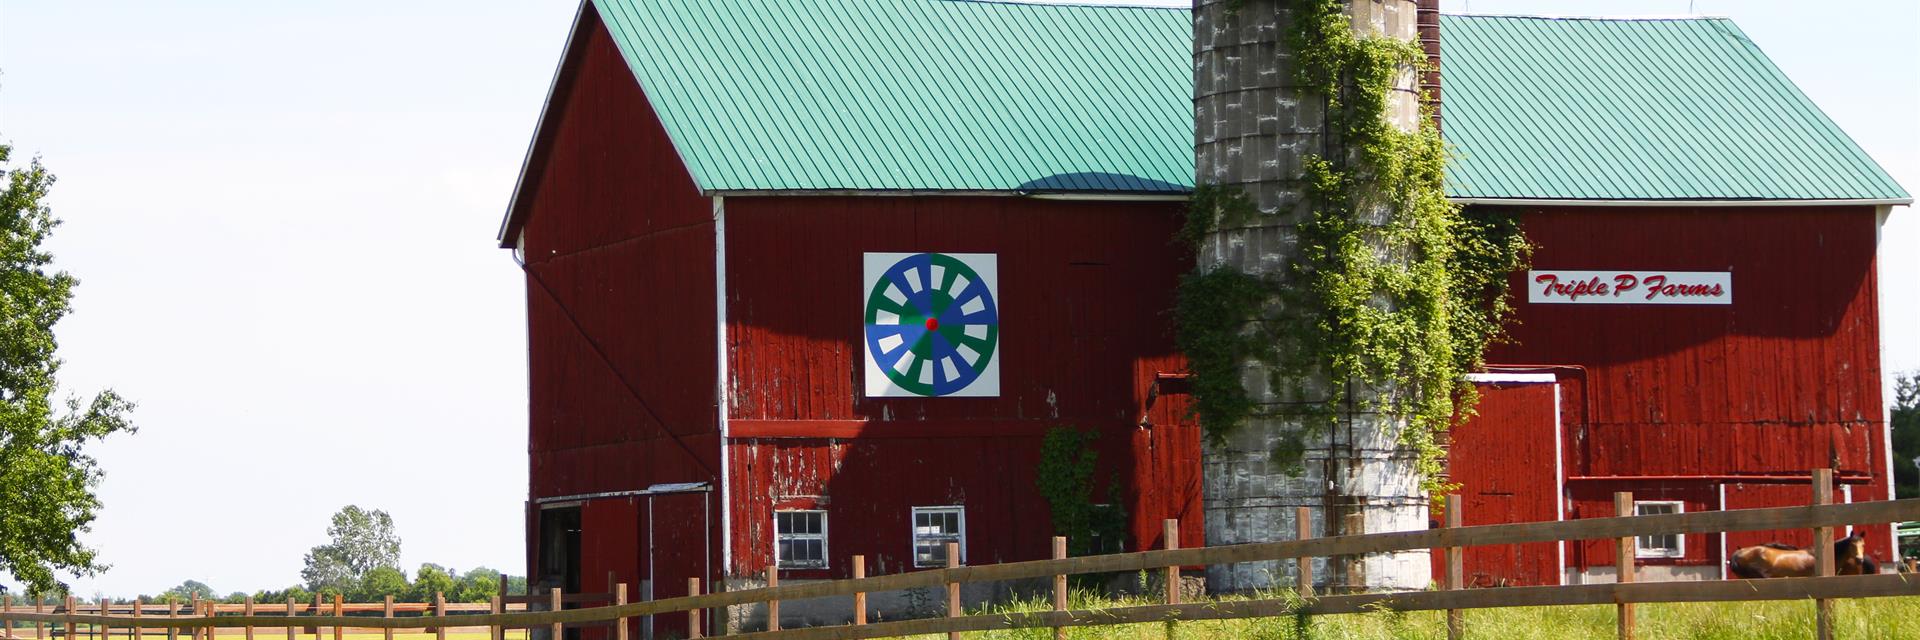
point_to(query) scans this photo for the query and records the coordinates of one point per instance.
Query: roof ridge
(1624, 18)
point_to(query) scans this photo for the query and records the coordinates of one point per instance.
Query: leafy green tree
(431, 579)
(361, 540)
(478, 585)
(188, 590)
(380, 583)
(1906, 435)
(47, 480)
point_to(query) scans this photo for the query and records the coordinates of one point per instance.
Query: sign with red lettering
(1630, 287)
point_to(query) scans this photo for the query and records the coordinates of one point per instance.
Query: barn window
(1666, 545)
(800, 539)
(933, 528)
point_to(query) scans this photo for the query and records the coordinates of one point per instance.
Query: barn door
(1506, 461)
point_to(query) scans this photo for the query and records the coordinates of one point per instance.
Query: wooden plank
(289, 621)
(953, 588)
(499, 632)
(693, 615)
(1823, 553)
(248, 612)
(1170, 532)
(70, 623)
(619, 598)
(39, 630)
(386, 612)
(859, 597)
(1623, 563)
(556, 604)
(1583, 529)
(339, 630)
(773, 606)
(1303, 530)
(1059, 586)
(1456, 568)
(440, 611)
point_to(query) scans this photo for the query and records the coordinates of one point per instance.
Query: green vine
(1065, 479)
(1396, 289)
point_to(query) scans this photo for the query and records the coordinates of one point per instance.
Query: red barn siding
(619, 249)
(1785, 379)
(1507, 475)
(1085, 290)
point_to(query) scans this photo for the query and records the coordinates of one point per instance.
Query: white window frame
(825, 556)
(913, 532)
(1640, 548)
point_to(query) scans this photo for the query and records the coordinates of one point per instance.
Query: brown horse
(1775, 560)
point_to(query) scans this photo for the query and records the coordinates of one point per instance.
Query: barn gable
(1639, 110)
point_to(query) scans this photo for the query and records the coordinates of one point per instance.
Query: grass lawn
(1873, 618)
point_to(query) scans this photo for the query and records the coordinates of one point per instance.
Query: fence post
(173, 611)
(40, 606)
(440, 611)
(1059, 586)
(1303, 529)
(248, 611)
(1623, 562)
(693, 615)
(498, 632)
(859, 597)
(1823, 554)
(1170, 531)
(619, 599)
(386, 611)
(70, 625)
(1456, 567)
(773, 604)
(139, 633)
(316, 613)
(555, 604)
(290, 616)
(193, 609)
(339, 633)
(6, 606)
(953, 588)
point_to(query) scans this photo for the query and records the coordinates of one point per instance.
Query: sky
(282, 216)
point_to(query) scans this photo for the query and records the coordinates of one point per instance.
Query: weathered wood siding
(1086, 290)
(621, 328)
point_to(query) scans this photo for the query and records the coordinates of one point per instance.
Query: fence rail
(1620, 529)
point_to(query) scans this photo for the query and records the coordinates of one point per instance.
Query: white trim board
(1513, 378)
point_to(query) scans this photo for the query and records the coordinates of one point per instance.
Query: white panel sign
(932, 324)
(1630, 287)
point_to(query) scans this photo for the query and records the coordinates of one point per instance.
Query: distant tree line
(361, 561)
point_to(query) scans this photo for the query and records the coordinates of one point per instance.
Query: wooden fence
(1622, 529)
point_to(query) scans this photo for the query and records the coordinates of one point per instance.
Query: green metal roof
(920, 95)
(957, 95)
(1667, 109)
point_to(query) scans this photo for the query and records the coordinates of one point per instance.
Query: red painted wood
(611, 541)
(1505, 468)
(1084, 294)
(622, 395)
(1784, 380)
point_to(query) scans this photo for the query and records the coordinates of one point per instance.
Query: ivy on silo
(1395, 287)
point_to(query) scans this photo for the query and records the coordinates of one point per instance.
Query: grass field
(1863, 619)
(1855, 619)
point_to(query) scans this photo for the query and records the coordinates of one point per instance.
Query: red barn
(812, 282)
(1700, 325)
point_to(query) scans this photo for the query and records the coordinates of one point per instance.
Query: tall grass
(1873, 618)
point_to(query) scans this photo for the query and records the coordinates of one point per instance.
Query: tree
(361, 541)
(382, 582)
(187, 590)
(431, 579)
(1905, 423)
(477, 585)
(47, 480)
